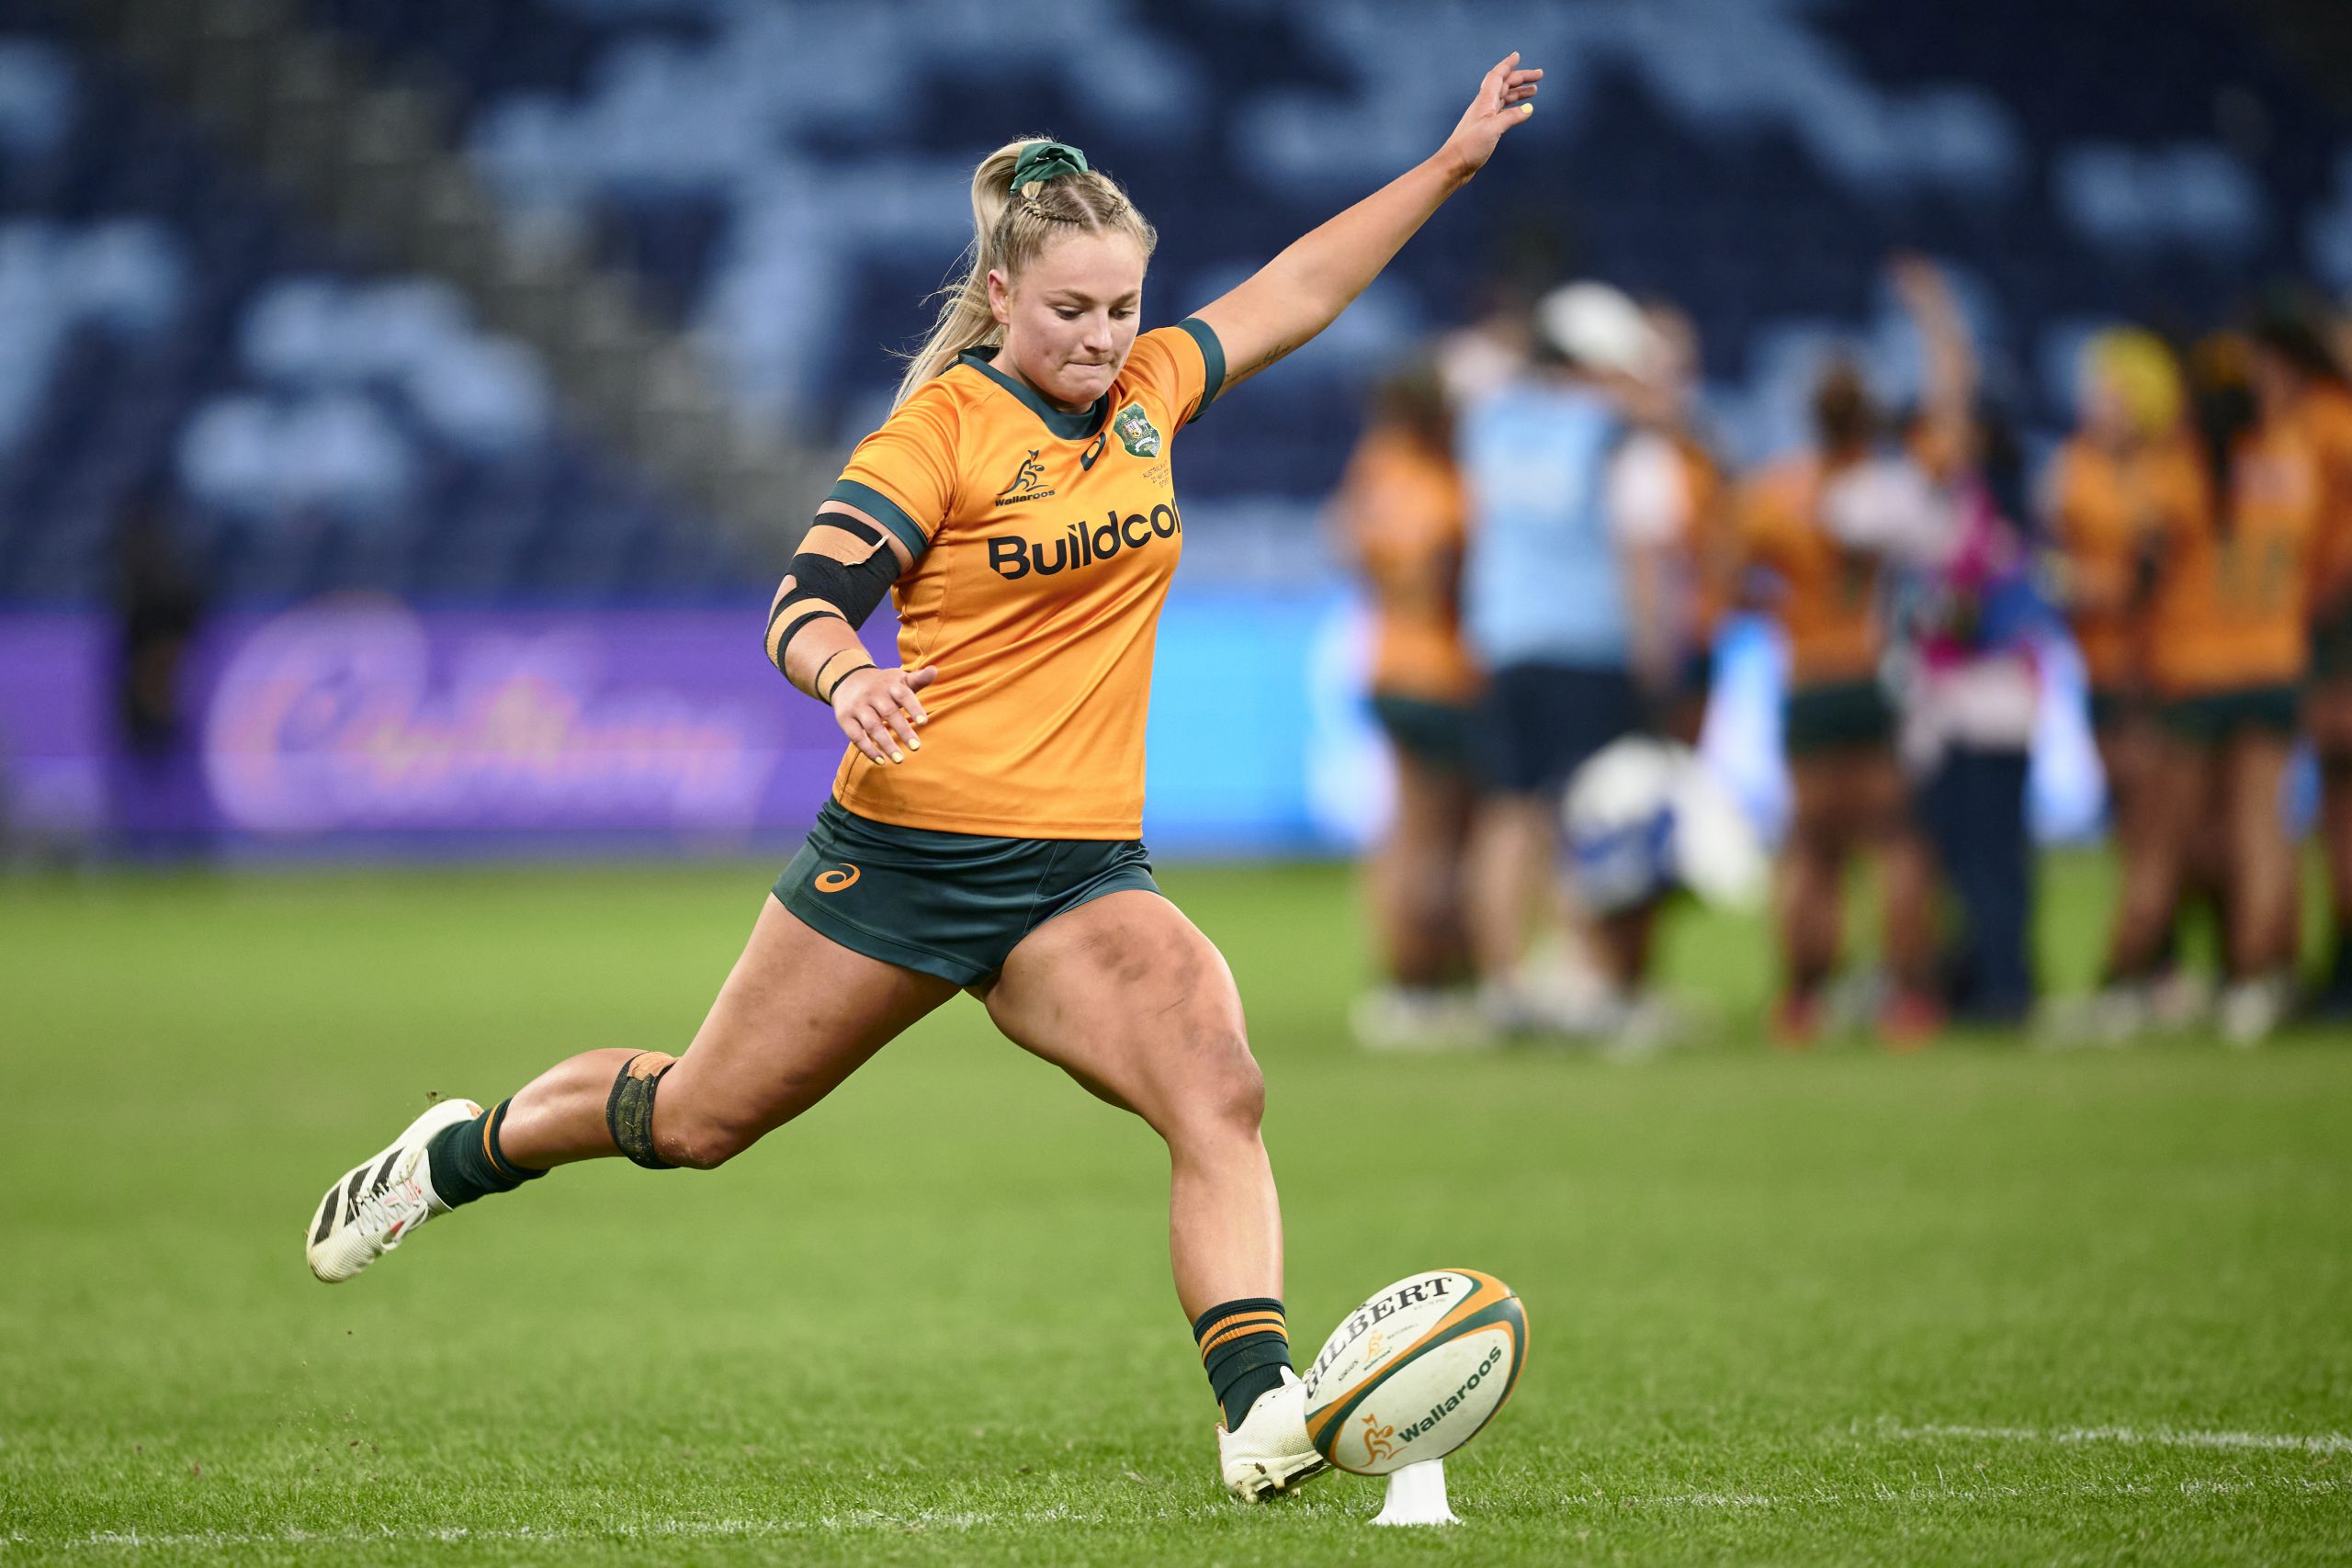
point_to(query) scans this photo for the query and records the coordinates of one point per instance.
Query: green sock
(1245, 1350)
(465, 1162)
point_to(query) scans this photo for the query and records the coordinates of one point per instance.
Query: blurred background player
(2293, 347)
(1969, 623)
(2127, 480)
(159, 610)
(1564, 587)
(1399, 513)
(1687, 483)
(1849, 797)
(2228, 648)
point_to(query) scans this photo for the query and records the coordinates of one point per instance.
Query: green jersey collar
(1068, 426)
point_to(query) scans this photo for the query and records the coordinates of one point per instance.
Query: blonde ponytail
(1009, 230)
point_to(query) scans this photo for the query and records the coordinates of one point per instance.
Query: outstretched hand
(878, 709)
(1506, 97)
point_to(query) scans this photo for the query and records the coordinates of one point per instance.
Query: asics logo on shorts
(834, 881)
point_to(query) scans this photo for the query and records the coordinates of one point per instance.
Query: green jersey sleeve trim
(1212, 355)
(885, 510)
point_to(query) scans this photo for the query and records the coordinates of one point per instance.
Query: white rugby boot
(2250, 1011)
(375, 1206)
(1270, 1453)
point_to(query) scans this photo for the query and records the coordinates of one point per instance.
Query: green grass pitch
(1981, 1305)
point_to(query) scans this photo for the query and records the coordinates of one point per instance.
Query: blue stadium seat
(1751, 158)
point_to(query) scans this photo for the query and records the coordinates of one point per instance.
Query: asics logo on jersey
(834, 881)
(1012, 556)
(1024, 486)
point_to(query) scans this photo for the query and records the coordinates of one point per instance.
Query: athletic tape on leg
(629, 1112)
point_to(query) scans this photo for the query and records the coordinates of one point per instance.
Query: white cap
(1599, 327)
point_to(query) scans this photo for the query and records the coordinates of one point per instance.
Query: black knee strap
(629, 1111)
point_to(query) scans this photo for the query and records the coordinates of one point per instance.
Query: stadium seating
(165, 323)
(1755, 160)
(787, 182)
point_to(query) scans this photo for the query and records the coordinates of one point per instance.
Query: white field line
(2151, 1437)
(658, 1530)
(974, 1519)
(1832, 1497)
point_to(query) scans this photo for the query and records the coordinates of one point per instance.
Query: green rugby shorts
(2210, 717)
(954, 904)
(1835, 714)
(2332, 646)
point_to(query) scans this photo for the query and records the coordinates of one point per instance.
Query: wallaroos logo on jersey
(1012, 556)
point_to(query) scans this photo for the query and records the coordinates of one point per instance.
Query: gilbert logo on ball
(1415, 1371)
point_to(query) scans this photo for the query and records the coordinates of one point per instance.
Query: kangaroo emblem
(1376, 1444)
(1024, 483)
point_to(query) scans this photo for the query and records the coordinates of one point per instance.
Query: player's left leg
(1128, 997)
(798, 1013)
(2328, 718)
(2261, 899)
(1809, 896)
(2173, 817)
(1881, 812)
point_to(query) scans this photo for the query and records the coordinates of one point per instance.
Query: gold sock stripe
(1240, 1327)
(489, 1121)
(1255, 1315)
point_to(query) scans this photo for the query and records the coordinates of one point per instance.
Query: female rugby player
(1837, 727)
(2227, 652)
(983, 829)
(1401, 511)
(2131, 479)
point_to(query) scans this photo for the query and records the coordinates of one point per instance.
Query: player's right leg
(2264, 922)
(2172, 818)
(2329, 722)
(798, 1014)
(1808, 899)
(1131, 999)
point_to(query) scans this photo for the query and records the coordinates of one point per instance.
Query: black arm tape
(814, 613)
(854, 590)
(817, 682)
(857, 528)
(628, 1109)
(821, 586)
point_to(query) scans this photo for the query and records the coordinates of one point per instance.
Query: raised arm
(1950, 402)
(1303, 289)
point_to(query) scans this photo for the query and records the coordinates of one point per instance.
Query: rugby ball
(1415, 1371)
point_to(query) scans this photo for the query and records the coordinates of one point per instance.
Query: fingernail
(897, 756)
(914, 745)
(1526, 109)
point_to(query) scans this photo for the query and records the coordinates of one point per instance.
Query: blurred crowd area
(1556, 542)
(405, 406)
(473, 299)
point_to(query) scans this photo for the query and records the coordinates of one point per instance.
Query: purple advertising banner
(365, 719)
(56, 722)
(363, 727)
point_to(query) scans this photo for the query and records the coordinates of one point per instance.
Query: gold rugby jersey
(1044, 542)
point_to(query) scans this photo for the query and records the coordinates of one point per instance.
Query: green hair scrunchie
(1045, 161)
